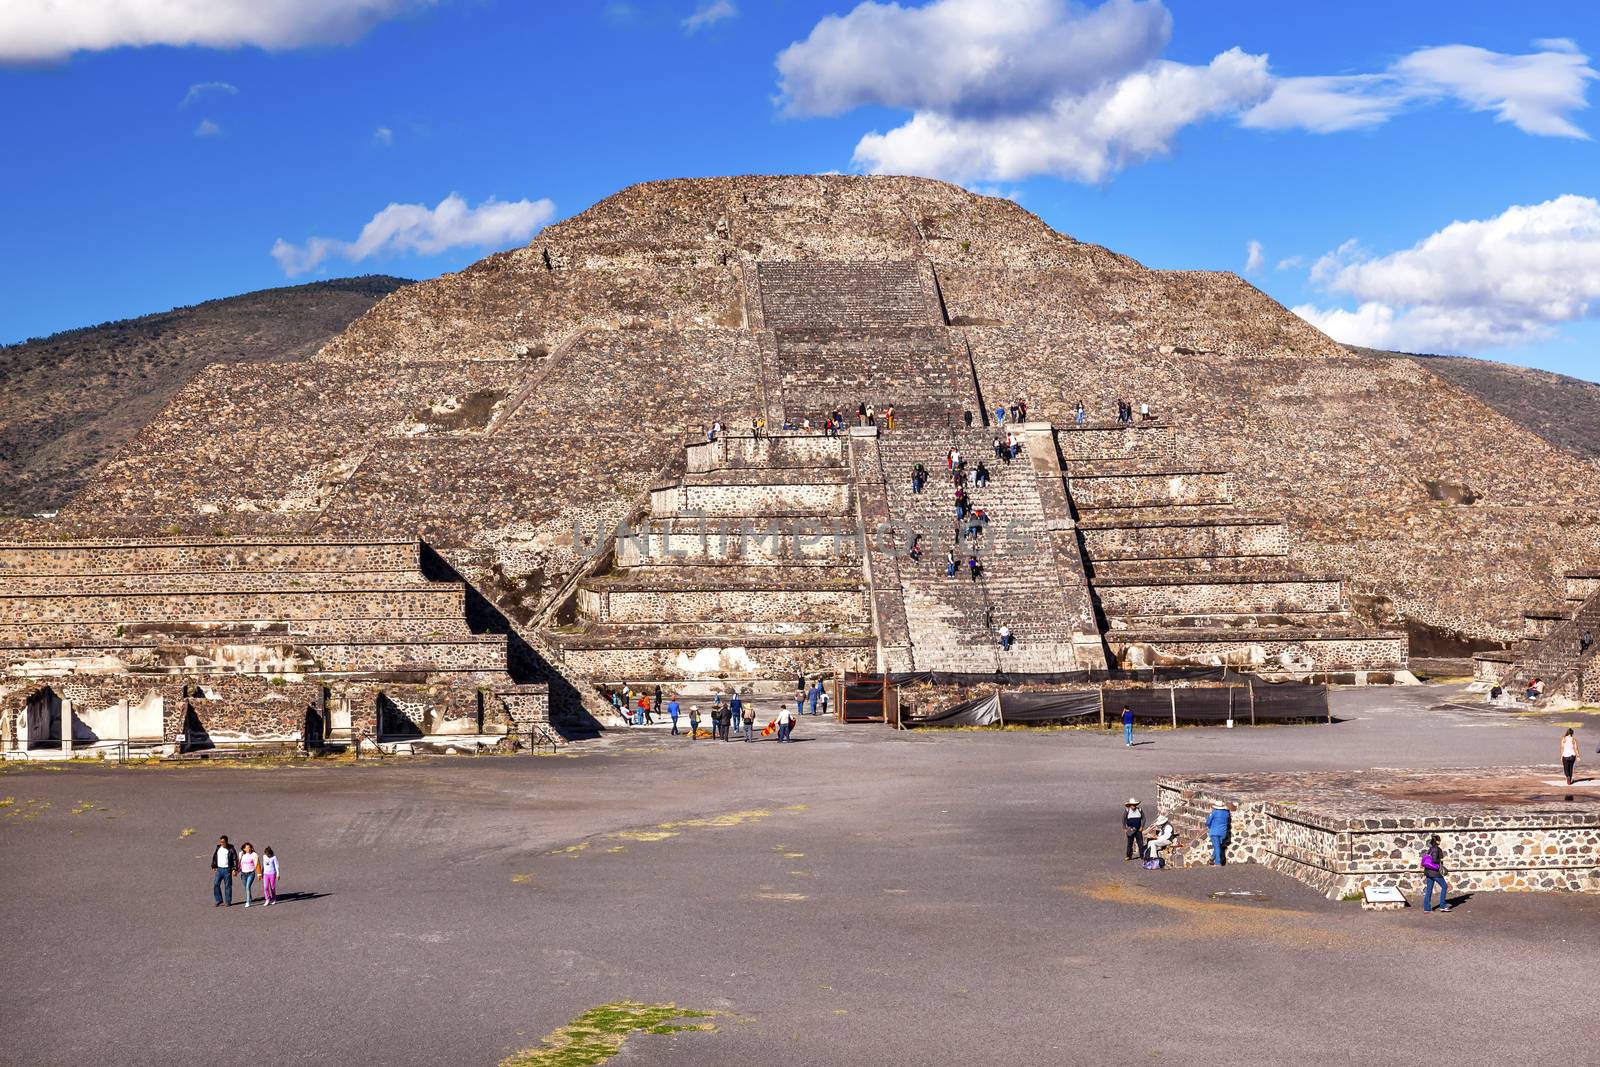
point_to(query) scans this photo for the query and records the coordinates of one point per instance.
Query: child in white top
(269, 875)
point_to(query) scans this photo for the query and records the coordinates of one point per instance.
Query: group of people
(1125, 411)
(1219, 824)
(727, 716)
(249, 865)
(1017, 411)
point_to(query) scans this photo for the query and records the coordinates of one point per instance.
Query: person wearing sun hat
(1217, 826)
(1162, 838)
(1133, 826)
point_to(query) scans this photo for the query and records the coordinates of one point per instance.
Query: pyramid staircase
(1552, 647)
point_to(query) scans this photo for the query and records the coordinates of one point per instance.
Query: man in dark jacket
(1133, 826)
(224, 861)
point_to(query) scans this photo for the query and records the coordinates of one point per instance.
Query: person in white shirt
(224, 861)
(1161, 839)
(785, 723)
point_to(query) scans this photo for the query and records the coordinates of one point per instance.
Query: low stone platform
(1519, 828)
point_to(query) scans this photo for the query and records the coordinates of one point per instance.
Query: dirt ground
(858, 897)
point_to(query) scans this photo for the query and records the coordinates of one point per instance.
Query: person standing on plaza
(224, 861)
(248, 863)
(1127, 726)
(822, 704)
(735, 711)
(750, 722)
(1433, 875)
(672, 713)
(1569, 753)
(799, 702)
(269, 876)
(694, 720)
(814, 696)
(1133, 828)
(785, 723)
(1217, 826)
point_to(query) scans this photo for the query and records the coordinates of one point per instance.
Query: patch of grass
(1353, 896)
(599, 1033)
(187, 831)
(81, 807)
(6, 802)
(521, 879)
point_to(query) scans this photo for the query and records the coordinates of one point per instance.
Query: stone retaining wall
(1156, 489)
(1341, 831)
(1219, 537)
(1284, 651)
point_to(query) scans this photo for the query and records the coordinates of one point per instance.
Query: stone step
(813, 607)
(181, 555)
(1149, 489)
(208, 582)
(1197, 596)
(743, 541)
(399, 601)
(247, 630)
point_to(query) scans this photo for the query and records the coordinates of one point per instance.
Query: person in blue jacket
(1217, 826)
(1127, 726)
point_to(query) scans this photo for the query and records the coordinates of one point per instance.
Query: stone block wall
(1347, 841)
(818, 607)
(773, 450)
(1284, 651)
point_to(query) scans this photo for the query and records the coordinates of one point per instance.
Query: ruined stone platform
(1502, 828)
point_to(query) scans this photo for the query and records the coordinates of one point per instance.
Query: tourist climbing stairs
(954, 622)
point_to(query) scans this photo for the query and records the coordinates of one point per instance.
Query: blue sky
(1434, 192)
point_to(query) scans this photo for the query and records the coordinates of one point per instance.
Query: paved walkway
(860, 897)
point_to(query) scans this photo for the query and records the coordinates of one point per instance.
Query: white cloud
(1289, 262)
(383, 137)
(708, 12)
(200, 89)
(207, 128)
(1003, 91)
(1254, 259)
(1485, 283)
(1534, 92)
(1327, 104)
(32, 31)
(1087, 137)
(967, 57)
(401, 228)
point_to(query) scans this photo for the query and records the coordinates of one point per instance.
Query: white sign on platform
(1384, 894)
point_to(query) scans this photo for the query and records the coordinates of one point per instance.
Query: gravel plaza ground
(858, 897)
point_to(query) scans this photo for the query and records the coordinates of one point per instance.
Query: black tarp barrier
(1273, 702)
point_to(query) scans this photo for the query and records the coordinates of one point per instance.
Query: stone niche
(1340, 831)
